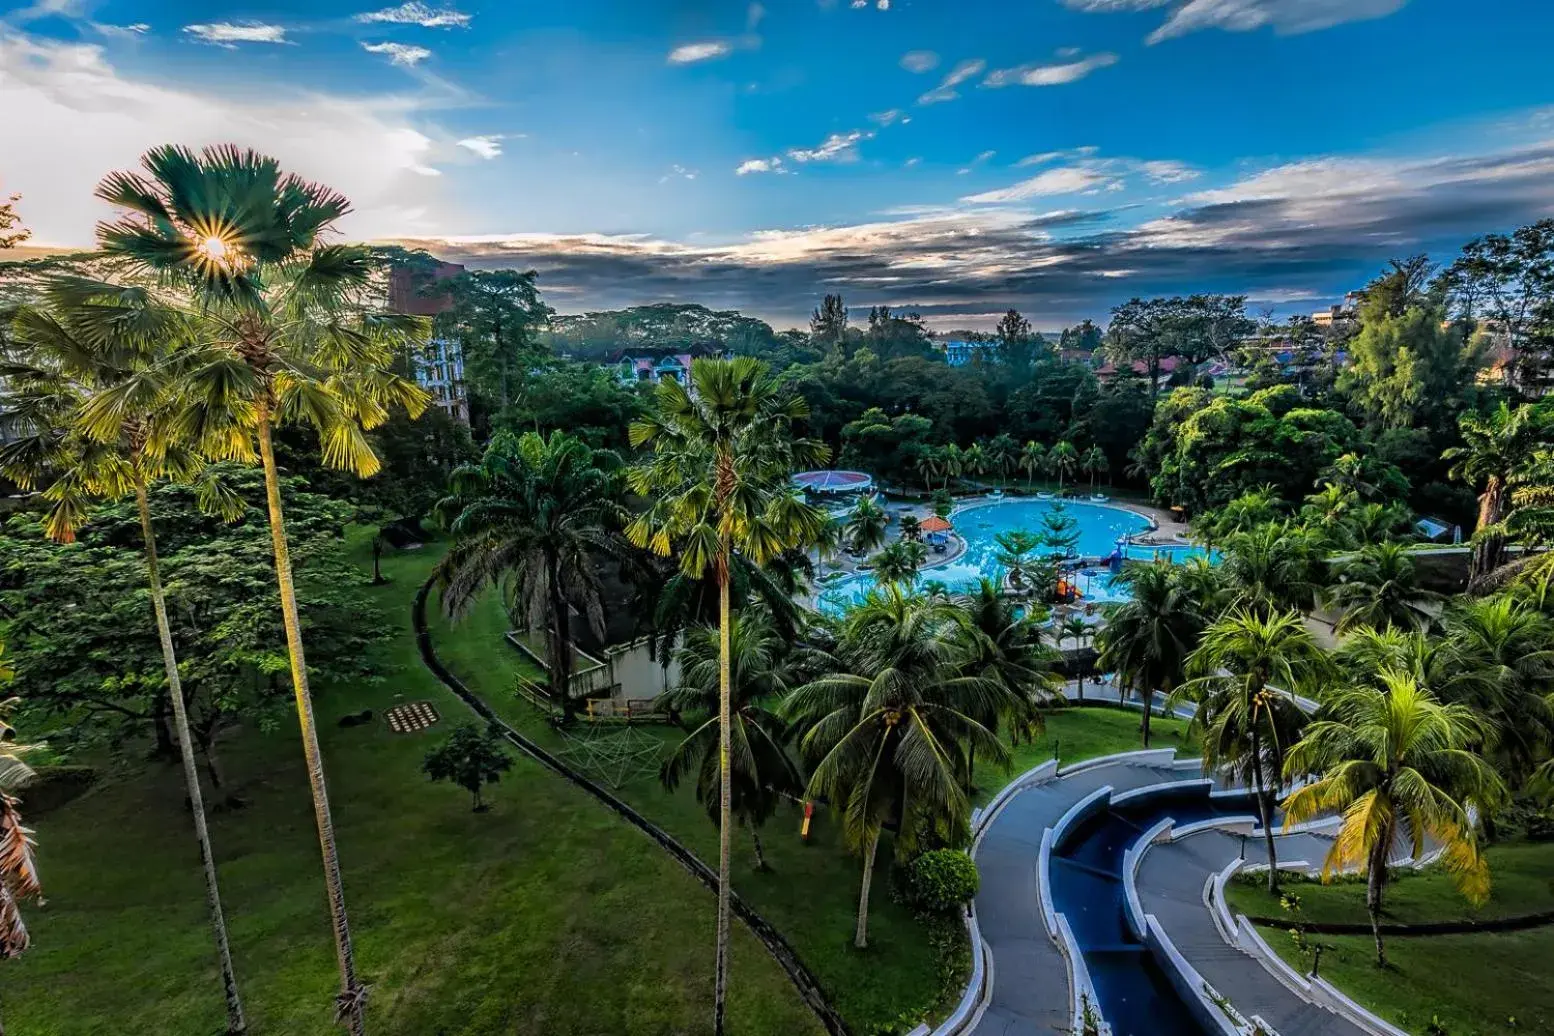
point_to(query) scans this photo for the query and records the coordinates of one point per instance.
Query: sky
(950, 157)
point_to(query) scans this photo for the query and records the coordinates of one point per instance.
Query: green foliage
(495, 317)
(890, 447)
(942, 880)
(469, 758)
(581, 399)
(1408, 368)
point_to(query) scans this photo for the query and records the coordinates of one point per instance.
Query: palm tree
(952, 463)
(1369, 524)
(90, 341)
(1379, 587)
(18, 871)
(719, 481)
(1352, 475)
(975, 461)
(911, 527)
(1002, 455)
(1270, 569)
(1395, 763)
(929, 465)
(1062, 461)
(1499, 660)
(1015, 548)
(529, 520)
(1094, 463)
(1033, 458)
(762, 775)
(1075, 628)
(277, 328)
(1007, 645)
(900, 562)
(1146, 640)
(1246, 513)
(866, 525)
(1496, 448)
(1329, 506)
(892, 728)
(1244, 671)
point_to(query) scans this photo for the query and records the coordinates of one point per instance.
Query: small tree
(469, 759)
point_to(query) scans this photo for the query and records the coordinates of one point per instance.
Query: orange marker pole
(809, 813)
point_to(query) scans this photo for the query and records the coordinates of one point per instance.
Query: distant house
(958, 353)
(1168, 366)
(649, 365)
(440, 367)
(1340, 315)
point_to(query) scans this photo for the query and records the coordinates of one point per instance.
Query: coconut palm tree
(1496, 448)
(530, 519)
(278, 327)
(1075, 628)
(1243, 673)
(1329, 507)
(975, 460)
(866, 525)
(911, 527)
(1498, 657)
(1033, 458)
(1007, 645)
(1002, 454)
(719, 482)
(892, 727)
(1395, 764)
(1062, 460)
(87, 342)
(1147, 639)
(900, 562)
(761, 674)
(1269, 569)
(1379, 587)
(1094, 463)
(952, 463)
(929, 465)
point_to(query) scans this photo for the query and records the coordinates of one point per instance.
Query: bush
(943, 879)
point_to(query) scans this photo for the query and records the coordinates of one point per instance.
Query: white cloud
(1077, 179)
(1110, 6)
(919, 61)
(72, 118)
(759, 165)
(1049, 75)
(1283, 16)
(914, 160)
(880, 5)
(688, 53)
(889, 118)
(124, 32)
(415, 13)
(399, 53)
(945, 91)
(1042, 158)
(679, 172)
(838, 147)
(227, 34)
(753, 16)
(1163, 171)
(487, 147)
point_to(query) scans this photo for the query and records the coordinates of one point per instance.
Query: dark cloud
(1307, 231)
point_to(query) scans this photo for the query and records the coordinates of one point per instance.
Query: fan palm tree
(866, 525)
(1395, 763)
(278, 327)
(1243, 673)
(1379, 587)
(891, 729)
(18, 871)
(762, 775)
(1062, 460)
(1146, 640)
(1496, 447)
(900, 562)
(1033, 458)
(1094, 463)
(719, 481)
(88, 342)
(529, 520)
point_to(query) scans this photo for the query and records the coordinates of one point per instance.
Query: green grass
(1473, 983)
(546, 915)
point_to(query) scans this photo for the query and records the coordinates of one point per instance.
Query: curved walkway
(803, 979)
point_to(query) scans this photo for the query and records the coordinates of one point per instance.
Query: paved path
(1030, 976)
(1171, 882)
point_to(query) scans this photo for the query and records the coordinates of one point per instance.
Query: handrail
(809, 987)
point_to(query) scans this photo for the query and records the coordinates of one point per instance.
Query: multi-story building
(439, 368)
(959, 353)
(651, 365)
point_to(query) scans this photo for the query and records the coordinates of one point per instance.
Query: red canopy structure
(936, 524)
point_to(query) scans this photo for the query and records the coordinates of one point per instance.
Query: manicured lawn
(546, 915)
(1475, 984)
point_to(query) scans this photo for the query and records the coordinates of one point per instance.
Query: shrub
(943, 879)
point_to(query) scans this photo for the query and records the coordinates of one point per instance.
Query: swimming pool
(1099, 527)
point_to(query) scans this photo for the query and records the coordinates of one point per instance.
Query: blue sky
(956, 158)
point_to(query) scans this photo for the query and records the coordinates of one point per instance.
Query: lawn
(1474, 984)
(546, 915)
(811, 892)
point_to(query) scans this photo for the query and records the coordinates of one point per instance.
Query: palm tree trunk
(1149, 702)
(1489, 554)
(1264, 812)
(861, 937)
(561, 665)
(350, 1006)
(725, 785)
(1375, 882)
(760, 857)
(236, 1024)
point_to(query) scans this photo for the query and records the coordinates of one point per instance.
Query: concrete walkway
(1171, 886)
(1030, 995)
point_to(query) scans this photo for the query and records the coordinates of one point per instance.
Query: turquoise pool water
(1099, 526)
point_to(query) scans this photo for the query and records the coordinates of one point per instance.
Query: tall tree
(761, 672)
(866, 525)
(1147, 639)
(18, 871)
(12, 231)
(1015, 342)
(496, 317)
(1379, 586)
(282, 328)
(1504, 284)
(1033, 458)
(719, 481)
(1395, 764)
(1244, 670)
(1062, 460)
(828, 325)
(899, 563)
(529, 519)
(1496, 450)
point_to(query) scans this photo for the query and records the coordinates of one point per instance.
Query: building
(650, 365)
(440, 367)
(1168, 366)
(1340, 315)
(958, 353)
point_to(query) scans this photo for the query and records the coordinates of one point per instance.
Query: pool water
(1099, 527)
